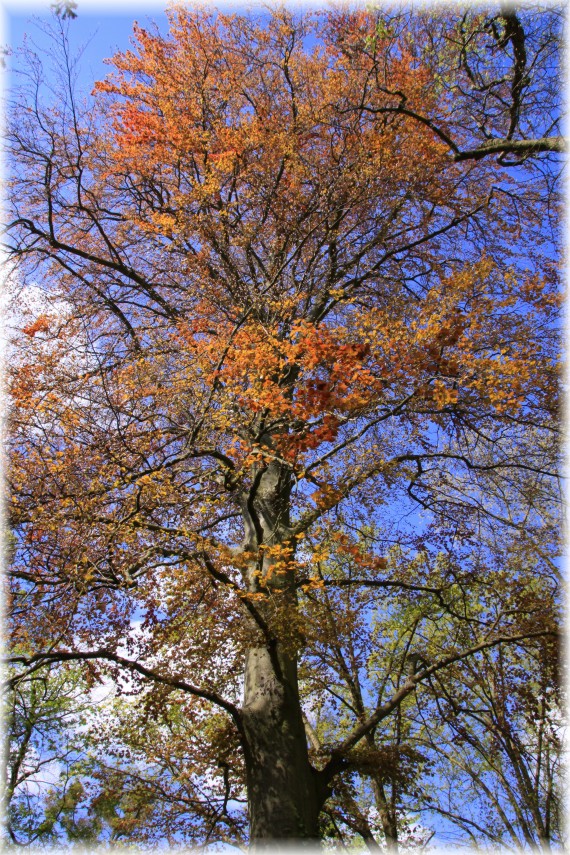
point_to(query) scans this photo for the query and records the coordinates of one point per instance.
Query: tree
(496, 75)
(47, 756)
(290, 315)
(156, 781)
(486, 726)
(502, 751)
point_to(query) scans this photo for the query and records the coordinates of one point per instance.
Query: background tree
(47, 715)
(437, 737)
(499, 746)
(289, 312)
(156, 780)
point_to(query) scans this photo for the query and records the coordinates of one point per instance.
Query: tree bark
(387, 816)
(285, 793)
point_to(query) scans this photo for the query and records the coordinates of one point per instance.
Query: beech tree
(301, 356)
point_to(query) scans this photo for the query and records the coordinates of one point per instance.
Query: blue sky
(99, 33)
(101, 28)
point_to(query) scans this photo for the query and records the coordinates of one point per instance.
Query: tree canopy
(284, 430)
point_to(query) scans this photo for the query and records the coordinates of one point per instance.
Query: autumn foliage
(284, 320)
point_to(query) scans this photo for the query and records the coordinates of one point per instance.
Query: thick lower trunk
(283, 791)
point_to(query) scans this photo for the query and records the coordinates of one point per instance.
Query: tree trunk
(284, 795)
(387, 816)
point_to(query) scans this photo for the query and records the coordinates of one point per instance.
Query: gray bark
(285, 793)
(283, 790)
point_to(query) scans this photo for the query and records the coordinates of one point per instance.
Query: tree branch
(44, 658)
(521, 147)
(339, 752)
